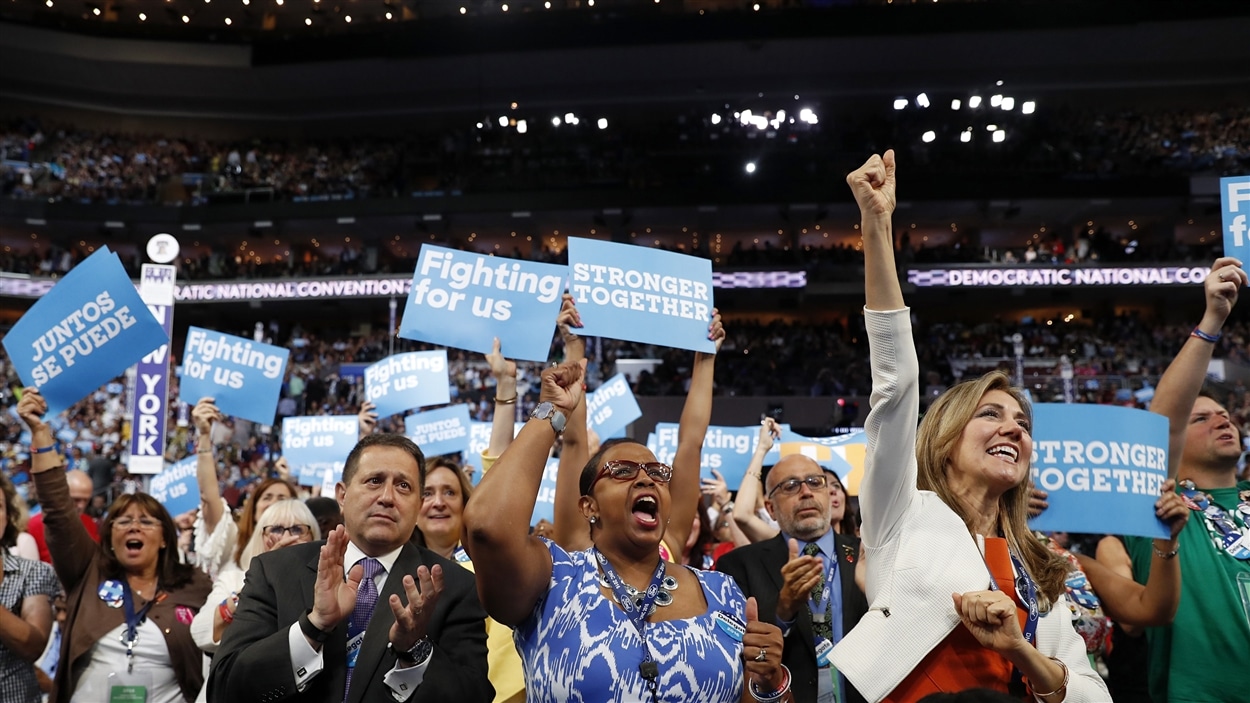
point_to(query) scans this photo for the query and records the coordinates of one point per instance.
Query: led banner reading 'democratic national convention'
(641, 295)
(243, 377)
(464, 300)
(407, 381)
(1102, 465)
(83, 332)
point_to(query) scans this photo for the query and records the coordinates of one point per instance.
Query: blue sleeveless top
(578, 646)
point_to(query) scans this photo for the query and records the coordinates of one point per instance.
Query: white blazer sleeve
(1057, 638)
(889, 483)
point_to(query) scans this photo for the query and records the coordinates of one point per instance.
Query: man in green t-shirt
(1204, 655)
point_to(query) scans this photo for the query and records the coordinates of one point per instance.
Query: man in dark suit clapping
(364, 616)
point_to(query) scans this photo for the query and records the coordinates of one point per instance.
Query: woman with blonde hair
(960, 595)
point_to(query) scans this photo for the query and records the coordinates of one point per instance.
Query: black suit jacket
(757, 569)
(254, 661)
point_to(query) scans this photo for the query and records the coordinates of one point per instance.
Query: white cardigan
(919, 551)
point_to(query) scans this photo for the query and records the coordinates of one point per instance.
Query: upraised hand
(334, 597)
(31, 408)
(204, 414)
(412, 619)
(367, 418)
(1171, 509)
(1222, 286)
(873, 185)
(569, 319)
(499, 366)
(562, 385)
(799, 575)
(769, 433)
(715, 489)
(716, 329)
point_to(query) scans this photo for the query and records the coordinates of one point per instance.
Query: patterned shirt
(578, 646)
(23, 579)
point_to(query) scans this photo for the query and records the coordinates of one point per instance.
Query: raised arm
(695, 417)
(71, 547)
(745, 512)
(889, 481)
(1154, 604)
(513, 568)
(366, 419)
(503, 421)
(1178, 389)
(569, 527)
(203, 415)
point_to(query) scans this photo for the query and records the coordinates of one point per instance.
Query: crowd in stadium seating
(71, 163)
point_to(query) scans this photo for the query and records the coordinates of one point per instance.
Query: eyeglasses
(277, 531)
(145, 523)
(622, 470)
(793, 486)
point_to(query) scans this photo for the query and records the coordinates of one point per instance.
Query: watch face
(543, 411)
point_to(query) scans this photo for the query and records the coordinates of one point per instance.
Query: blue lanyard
(1026, 589)
(133, 621)
(819, 606)
(637, 613)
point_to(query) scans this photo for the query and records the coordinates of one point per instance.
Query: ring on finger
(763, 655)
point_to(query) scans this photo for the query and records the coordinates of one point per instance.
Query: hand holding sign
(716, 330)
(367, 418)
(31, 409)
(568, 320)
(1171, 509)
(1222, 286)
(203, 415)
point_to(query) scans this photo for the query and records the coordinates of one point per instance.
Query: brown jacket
(79, 564)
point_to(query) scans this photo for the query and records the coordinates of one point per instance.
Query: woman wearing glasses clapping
(130, 601)
(284, 523)
(613, 622)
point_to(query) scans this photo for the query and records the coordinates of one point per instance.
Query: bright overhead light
(922, 100)
(928, 136)
(571, 118)
(463, 10)
(185, 19)
(229, 22)
(807, 115)
(955, 104)
(603, 123)
(900, 103)
(1028, 107)
(480, 125)
(555, 122)
(142, 17)
(347, 19)
(1000, 135)
(547, 5)
(744, 117)
(1009, 103)
(974, 102)
(389, 16)
(715, 118)
(503, 120)
(965, 136)
(521, 127)
(996, 100)
(95, 11)
(504, 7)
(991, 128)
(308, 21)
(781, 115)
(750, 167)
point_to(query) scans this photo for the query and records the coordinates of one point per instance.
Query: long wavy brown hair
(939, 433)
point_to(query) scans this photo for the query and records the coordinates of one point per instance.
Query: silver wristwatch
(547, 411)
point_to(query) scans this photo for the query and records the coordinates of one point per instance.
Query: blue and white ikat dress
(579, 647)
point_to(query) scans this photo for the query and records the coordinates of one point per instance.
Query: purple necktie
(366, 598)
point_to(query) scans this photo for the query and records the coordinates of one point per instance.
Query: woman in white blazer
(960, 595)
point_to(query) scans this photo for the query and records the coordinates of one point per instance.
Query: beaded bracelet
(1212, 338)
(775, 696)
(1166, 555)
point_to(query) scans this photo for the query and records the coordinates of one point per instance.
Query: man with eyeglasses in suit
(804, 578)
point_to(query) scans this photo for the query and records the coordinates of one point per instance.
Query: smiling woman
(130, 601)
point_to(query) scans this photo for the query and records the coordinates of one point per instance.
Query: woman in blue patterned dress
(613, 622)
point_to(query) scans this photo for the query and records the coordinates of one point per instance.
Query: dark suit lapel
(848, 557)
(378, 635)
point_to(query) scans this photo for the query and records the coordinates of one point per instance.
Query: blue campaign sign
(88, 329)
(316, 444)
(407, 381)
(479, 441)
(442, 431)
(243, 376)
(176, 487)
(545, 504)
(611, 407)
(728, 450)
(641, 294)
(1235, 206)
(1102, 466)
(465, 300)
